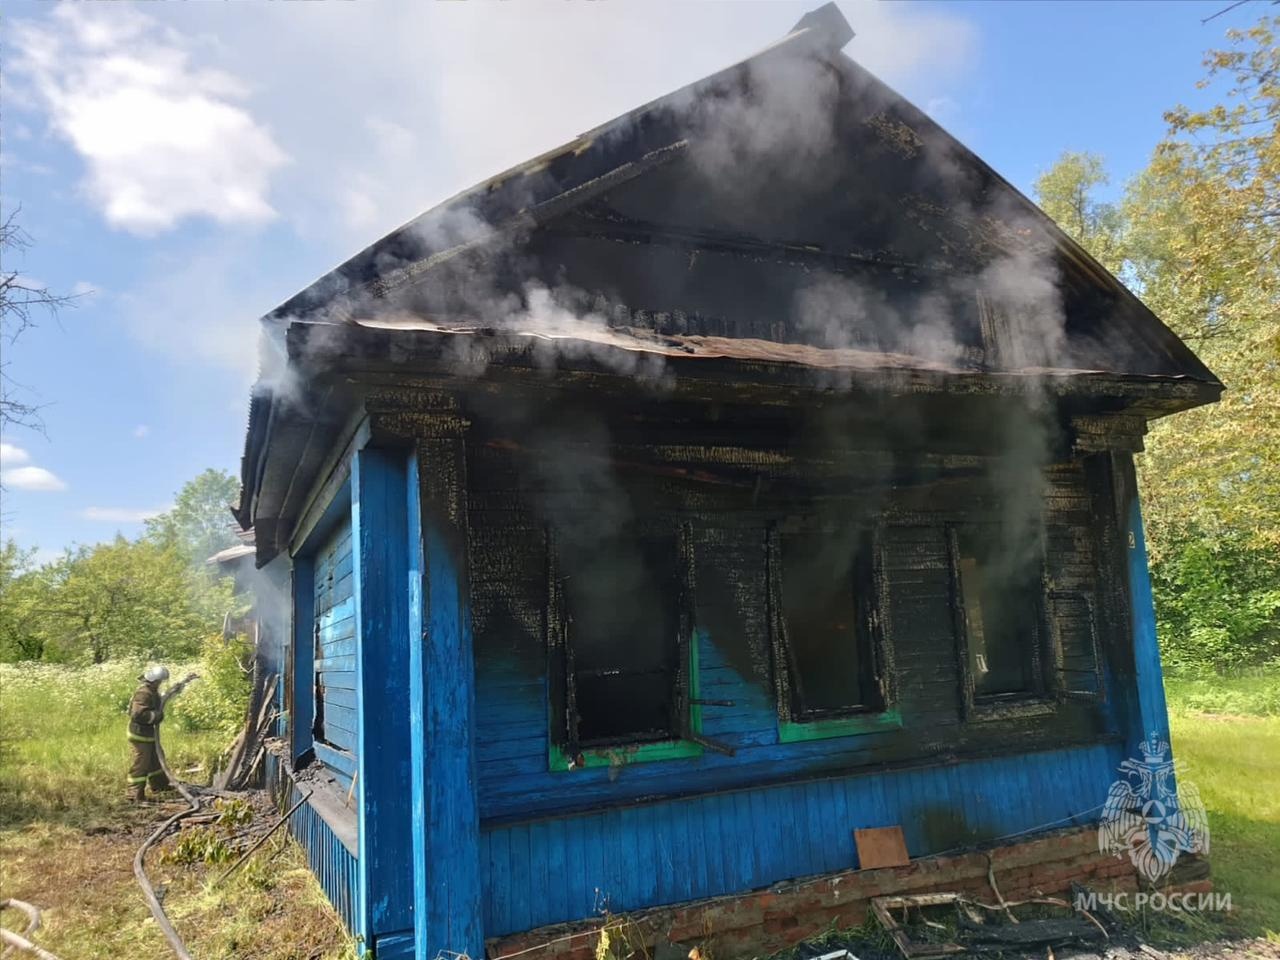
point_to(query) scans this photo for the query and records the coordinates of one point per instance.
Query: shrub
(1217, 606)
(217, 700)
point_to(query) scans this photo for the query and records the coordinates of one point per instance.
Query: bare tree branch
(22, 301)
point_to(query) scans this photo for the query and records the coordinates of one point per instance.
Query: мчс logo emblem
(1151, 818)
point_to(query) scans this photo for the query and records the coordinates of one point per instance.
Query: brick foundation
(764, 921)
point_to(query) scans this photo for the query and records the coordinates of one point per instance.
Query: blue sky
(186, 167)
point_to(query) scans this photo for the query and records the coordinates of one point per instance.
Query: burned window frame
(1040, 698)
(564, 753)
(1076, 681)
(871, 633)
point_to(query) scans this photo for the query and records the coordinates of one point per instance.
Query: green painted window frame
(795, 731)
(558, 761)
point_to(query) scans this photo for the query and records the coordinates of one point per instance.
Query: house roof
(232, 554)
(536, 190)
(790, 212)
(885, 203)
(229, 555)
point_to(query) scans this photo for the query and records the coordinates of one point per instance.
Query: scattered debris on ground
(934, 930)
(946, 924)
(81, 878)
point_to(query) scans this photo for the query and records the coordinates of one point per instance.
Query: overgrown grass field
(68, 834)
(62, 739)
(1226, 738)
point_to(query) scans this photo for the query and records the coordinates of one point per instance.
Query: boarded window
(334, 636)
(999, 589)
(824, 592)
(620, 599)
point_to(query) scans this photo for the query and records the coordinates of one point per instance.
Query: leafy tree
(122, 599)
(200, 524)
(151, 597)
(1217, 605)
(22, 598)
(1204, 224)
(1067, 192)
(1197, 236)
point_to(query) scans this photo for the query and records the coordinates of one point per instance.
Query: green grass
(1226, 738)
(63, 754)
(1253, 693)
(68, 834)
(272, 909)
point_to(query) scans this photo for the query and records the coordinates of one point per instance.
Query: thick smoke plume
(964, 288)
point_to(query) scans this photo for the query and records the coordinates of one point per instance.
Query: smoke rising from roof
(783, 144)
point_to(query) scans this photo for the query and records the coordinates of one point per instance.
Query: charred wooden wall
(555, 843)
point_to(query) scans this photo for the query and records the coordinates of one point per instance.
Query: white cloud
(141, 431)
(368, 193)
(18, 473)
(11, 456)
(83, 288)
(121, 514)
(902, 44)
(517, 79)
(161, 138)
(31, 478)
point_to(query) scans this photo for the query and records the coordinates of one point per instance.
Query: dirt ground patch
(82, 880)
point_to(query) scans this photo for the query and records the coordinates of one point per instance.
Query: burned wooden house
(754, 469)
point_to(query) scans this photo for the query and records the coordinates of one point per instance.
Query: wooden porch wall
(334, 866)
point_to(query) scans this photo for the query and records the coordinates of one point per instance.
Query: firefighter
(146, 710)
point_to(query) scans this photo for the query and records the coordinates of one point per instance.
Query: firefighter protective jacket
(146, 709)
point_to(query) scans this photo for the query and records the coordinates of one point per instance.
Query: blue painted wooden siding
(332, 863)
(628, 858)
(380, 534)
(774, 810)
(446, 831)
(1152, 713)
(334, 638)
